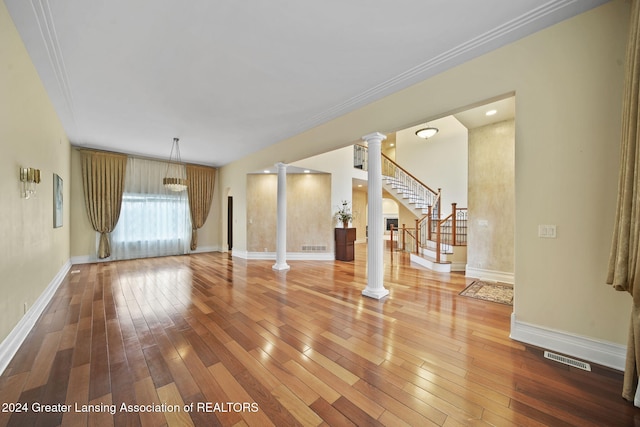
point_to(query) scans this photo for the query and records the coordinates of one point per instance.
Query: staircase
(434, 242)
(406, 189)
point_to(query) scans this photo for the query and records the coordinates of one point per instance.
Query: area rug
(489, 291)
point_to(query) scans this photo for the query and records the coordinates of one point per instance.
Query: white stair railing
(417, 193)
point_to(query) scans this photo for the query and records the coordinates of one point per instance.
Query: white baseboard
(239, 254)
(86, 259)
(458, 266)
(290, 256)
(16, 337)
(596, 351)
(204, 249)
(490, 275)
(311, 256)
(90, 259)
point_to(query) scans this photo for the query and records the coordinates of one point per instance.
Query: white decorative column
(281, 227)
(375, 245)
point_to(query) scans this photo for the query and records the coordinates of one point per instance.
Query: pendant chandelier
(176, 177)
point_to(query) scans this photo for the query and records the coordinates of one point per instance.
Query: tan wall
(339, 163)
(262, 214)
(492, 197)
(359, 205)
(565, 77)
(32, 252)
(388, 147)
(406, 217)
(438, 162)
(309, 215)
(209, 237)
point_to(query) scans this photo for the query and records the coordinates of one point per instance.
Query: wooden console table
(345, 237)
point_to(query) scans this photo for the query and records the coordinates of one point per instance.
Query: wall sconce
(29, 178)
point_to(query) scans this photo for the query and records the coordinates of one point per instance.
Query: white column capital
(375, 136)
(281, 165)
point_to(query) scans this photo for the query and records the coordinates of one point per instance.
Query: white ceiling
(231, 77)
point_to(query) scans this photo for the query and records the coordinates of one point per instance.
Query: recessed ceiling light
(266, 171)
(392, 144)
(491, 112)
(359, 185)
(307, 171)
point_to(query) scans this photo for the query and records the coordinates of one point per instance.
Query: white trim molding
(458, 266)
(490, 275)
(239, 254)
(596, 351)
(295, 256)
(204, 249)
(16, 337)
(92, 259)
(86, 259)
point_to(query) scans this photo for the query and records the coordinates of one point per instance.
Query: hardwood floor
(212, 340)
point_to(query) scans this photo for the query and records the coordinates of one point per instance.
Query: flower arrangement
(344, 214)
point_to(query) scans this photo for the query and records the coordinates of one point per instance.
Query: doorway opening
(230, 222)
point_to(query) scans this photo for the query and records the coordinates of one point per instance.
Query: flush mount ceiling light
(176, 177)
(491, 112)
(426, 132)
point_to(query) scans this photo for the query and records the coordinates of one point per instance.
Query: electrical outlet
(547, 231)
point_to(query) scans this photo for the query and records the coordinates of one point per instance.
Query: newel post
(429, 219)
(453, 223)
(418, 236)
(404, 232)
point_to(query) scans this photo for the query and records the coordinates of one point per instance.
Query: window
(153, 221)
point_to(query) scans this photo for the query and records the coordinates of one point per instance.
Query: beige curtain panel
(623, 262)
(103, 182)
(200, 191)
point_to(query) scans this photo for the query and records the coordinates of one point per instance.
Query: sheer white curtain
(153, 221)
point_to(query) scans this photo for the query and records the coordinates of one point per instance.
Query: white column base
(377, 293)
(281, 266)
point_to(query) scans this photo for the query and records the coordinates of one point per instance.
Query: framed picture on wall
(57, 201)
